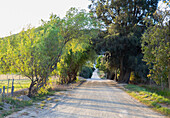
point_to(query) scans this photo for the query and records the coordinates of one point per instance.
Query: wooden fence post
(0, 92)
(8, 86)
(12, 89)
(3, 94)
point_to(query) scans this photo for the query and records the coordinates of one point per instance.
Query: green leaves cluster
(78, 51)
(155, 46)
(101, 63)
(33, 53)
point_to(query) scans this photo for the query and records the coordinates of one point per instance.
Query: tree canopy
(125, 24)
(155, 47)
(35, 52)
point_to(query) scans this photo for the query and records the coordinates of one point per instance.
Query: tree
(34, 53)
(72, 63)
(155, 46)
(77, 51)
(77, 30)
(125, 25)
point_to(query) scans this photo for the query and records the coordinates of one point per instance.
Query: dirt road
(98, 98)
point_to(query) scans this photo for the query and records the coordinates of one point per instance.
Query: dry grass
(18, 85)
(14, 76)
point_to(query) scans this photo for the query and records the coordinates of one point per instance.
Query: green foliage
(155, 47)
(122, 12)
(78, 50)
(135, 78)
(1, 103)
(101, 63)
(35, 52)
(44, 90)
(158, 90)
(98, 61)
(124, 23)
(86, 72)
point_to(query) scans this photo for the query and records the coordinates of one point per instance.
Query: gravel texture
(96, 98)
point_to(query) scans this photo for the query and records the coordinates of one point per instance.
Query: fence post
(0, 92)
(3, 94)
(8, 86)
(12, 89)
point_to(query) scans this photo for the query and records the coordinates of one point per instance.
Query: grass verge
(150, 98)
(10, 105)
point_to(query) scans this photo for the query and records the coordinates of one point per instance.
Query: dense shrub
(86, 72)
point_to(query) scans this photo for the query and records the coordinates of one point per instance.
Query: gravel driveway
(98, 98)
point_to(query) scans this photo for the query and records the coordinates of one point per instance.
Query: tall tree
(155, 46)
(34, 53)
(124, 22)
(79, 31)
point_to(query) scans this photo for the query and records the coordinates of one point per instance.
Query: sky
(18, 14)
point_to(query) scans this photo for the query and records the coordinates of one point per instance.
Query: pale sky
(17, 14)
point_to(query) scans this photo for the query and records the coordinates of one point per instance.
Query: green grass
(16, 105)
(150, 98)
(40, 97)
(165, 92)
(18, 84)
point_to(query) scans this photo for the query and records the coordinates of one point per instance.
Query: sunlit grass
(42, 105)
(43, 102)
(15, 105)
(48, 99)
(56, 100)
(149, 98)
(18, 84)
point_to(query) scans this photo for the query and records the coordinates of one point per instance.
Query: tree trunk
(169, 80)
(126, 78)
(74, 78)
(169, 72)
(108, 74)
(75, 75)
(116, 75)
(122, 71)
(69, 80)
(112, 75)
(30, 89)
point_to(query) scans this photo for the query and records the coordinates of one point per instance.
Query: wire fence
(10, 83)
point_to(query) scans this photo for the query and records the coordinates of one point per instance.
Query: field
(9, 76)
(19, 82)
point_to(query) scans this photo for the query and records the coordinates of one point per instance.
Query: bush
(86, 72)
